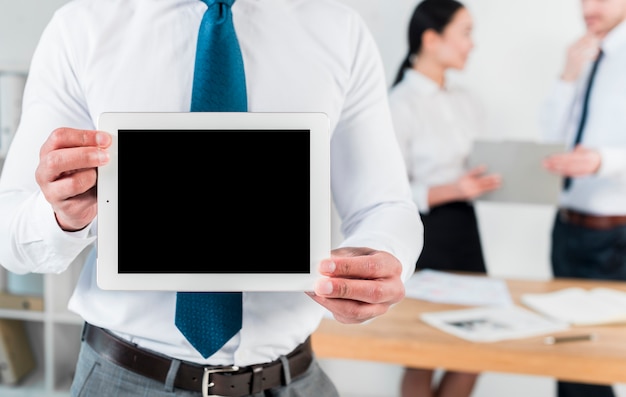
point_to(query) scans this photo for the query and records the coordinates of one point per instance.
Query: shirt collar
(615, 39)
(421, 82)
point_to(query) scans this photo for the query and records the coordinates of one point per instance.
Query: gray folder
(524, 180)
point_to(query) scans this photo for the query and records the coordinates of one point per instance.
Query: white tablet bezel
(109, 278)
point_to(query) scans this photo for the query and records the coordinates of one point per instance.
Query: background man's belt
(591, 221)
(226, 382)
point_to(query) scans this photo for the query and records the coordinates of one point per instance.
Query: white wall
(519, 50)
(21, 23)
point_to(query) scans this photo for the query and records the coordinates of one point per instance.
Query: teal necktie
(209, 319)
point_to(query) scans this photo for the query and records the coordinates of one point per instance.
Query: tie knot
(212, 2)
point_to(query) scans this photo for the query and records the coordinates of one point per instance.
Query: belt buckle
(206, 378)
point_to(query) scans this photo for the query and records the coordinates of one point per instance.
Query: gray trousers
(96, 376)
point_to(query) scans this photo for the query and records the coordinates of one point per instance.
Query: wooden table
(400, 337)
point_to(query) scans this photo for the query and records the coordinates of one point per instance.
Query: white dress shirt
(435, 128)
(603, 193)
(138, 55)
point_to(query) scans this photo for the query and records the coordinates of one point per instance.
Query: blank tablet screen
(224, 195)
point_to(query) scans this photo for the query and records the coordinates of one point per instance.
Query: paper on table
(443, 287)
(492, 324)
(579, 306)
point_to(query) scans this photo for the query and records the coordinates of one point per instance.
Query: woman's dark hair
(429, 14)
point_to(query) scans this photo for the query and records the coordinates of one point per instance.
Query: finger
(591, 39)
(69, 137)
(348, 311)
(71, 185)
(76, 212)
(477, 170)
(369, 291)
(588, 41)
(374, 266)
(489, 185)
(55, 164)
(82, 205)
(556, 161)
(352, 251)
(552, 166)
(555, 166)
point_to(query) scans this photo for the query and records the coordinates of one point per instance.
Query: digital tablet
(524, 180)
(214, 201)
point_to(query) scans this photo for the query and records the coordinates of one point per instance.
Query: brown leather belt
(226, 381)
(591, 221)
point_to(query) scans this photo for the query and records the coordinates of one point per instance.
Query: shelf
(35, 380)
(27, 315)
(30, 392)
(26, 390)
(54, 331)
(14, 67)
(54, 334)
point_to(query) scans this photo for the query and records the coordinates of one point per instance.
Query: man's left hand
(360, 284)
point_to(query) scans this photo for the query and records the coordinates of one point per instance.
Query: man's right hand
(581, 161)
(67, 174)
(579, 54)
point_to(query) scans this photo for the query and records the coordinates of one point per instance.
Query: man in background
(587, 109)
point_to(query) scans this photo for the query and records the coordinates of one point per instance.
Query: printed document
(492, 324)
(443, 287)
(578, 306)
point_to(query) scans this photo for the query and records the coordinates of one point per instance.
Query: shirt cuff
(420, 196)
(613, 162)
(55, 249)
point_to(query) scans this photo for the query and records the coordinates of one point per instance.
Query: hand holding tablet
(216, 196)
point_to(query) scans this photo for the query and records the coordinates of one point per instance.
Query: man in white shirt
(132, 55)
(589, 233)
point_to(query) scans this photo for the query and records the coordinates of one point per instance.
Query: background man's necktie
(583, 116)
(209, 319)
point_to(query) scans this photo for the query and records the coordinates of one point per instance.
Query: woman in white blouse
(436, 125)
